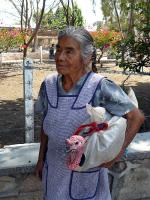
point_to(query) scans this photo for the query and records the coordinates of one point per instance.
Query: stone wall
(129, 178)
(46, 41)
(20, 187)
(17, 179)
(17, 57)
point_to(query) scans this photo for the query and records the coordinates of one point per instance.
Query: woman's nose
(61, 55)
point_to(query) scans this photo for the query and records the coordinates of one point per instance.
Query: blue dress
(66, 112)
(108, 95)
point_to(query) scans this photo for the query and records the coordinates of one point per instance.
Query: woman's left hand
(112, 162)
(134, 121)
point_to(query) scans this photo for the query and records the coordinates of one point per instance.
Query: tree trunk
(35, 44)
(35, 30)
(131, 18)
(118, 18)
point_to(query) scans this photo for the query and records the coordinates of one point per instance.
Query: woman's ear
(88, 63)
(89, 60)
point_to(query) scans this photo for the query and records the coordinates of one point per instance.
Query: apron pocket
(83, 185)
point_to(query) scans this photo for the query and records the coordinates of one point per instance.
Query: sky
(7, 12)
(87, 10)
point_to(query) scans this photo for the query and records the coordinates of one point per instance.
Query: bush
(10, 38)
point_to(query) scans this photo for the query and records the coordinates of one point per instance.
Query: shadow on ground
(142, 91)
(12, 122)
(5, 71)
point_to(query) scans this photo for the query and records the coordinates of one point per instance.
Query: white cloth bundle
(103, 146)
(100, 147)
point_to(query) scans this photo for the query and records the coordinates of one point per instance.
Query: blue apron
(65, 114)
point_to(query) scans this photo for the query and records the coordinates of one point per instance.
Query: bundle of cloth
(97, 141)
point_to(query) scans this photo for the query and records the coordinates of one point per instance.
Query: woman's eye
(69, 51)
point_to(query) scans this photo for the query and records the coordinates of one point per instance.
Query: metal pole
(28, 100)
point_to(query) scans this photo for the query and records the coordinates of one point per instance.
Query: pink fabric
(75, 144)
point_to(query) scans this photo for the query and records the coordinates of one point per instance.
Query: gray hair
(83, 37)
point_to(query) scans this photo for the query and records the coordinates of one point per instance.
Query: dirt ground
(12, 105)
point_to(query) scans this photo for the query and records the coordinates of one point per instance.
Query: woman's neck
(68, 81)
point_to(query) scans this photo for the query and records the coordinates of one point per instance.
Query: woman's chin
(61, 70)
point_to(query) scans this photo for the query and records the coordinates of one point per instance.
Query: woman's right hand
(39, 168)
(42, 154)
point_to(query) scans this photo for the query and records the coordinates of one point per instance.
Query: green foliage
(12, 38)
(58, 19)
(78, 16)
(133, 51)
(135, 48)
(47, 19)
(130, 11)
(105, 39)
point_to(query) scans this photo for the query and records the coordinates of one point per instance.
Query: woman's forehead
(68, 42)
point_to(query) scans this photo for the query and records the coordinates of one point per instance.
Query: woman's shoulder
(110, 90)
(107, 84)
(96, 75)
(51, 76)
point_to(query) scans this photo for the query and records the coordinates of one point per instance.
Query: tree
(24, 9)
(133, 50)
(117, 12)
(47, 19)
(10, 39)
(58, 21)
(105, 39)
(28, 41)
(65, 15)
(68, 16)
(133, 20)
(27, 11)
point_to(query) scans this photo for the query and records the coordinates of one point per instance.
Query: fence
(12, 57)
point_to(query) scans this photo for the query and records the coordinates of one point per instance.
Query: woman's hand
(42, 155)
(108, 164)
(134, 121)
(39, 168)
(112, 162)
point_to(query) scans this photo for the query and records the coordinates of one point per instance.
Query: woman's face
(68, 57)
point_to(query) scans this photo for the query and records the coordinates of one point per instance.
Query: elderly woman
(62, 99)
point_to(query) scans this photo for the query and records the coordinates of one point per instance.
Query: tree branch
(38, 25)
(22, 10)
